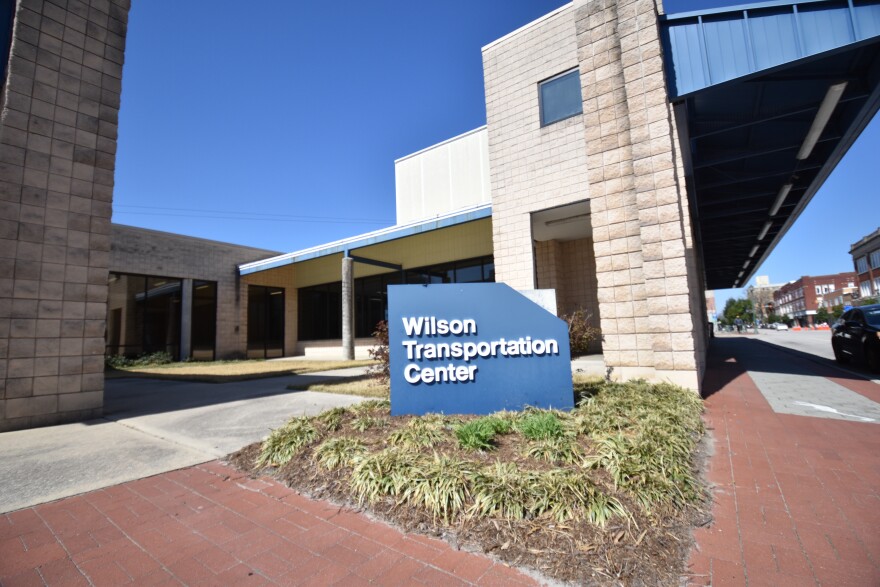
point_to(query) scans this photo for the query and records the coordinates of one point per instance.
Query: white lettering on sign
(466, 351)
(430, 326)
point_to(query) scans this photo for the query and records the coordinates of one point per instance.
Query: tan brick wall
(531, 167)
(623, 155)
(151, 252)
(57, 156)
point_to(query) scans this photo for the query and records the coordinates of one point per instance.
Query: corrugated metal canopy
(780, 94)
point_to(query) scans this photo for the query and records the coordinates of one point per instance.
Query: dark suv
(857, 334)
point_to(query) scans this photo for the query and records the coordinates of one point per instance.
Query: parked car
(780, 326)
(857, 335)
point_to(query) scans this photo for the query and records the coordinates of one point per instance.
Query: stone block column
(646, 266)
(58, 128)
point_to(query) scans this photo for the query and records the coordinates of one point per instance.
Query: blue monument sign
(474, 348)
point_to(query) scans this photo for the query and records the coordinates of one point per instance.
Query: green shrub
(480, 434)
(540, 425)
(285, 442)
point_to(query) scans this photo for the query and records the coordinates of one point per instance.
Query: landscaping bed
(605, 494)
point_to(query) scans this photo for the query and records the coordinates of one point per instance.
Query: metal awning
(768, 99)
(392, 233)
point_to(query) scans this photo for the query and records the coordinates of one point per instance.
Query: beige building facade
(634, 263)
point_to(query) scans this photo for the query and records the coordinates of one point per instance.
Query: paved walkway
(797, 502)
(209, 525)
(797, 498)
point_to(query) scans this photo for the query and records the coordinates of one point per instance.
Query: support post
(186, 299)
(348, 308)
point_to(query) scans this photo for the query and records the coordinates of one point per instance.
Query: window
(320, 306)
(875, 259)
(818, 289)
(862, 264)
(865, 289)
(877, 286)
(143, 315)
(204, 320)
(560, 97)
(265, 328)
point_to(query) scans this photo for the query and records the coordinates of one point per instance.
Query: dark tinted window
(320, 306)
(872, 316)
(143, 315)
(265, 330)
(560, 97)
(204, 320)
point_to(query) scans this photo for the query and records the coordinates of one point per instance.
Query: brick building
(800, 299)
(625, 164)
(866, 262)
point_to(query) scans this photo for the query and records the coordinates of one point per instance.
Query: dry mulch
(644, 551)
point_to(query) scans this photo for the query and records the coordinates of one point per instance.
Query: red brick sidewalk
(798, 498)
(210, 525)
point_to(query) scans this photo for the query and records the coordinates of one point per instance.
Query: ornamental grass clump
(441, 485)
(332, 418)
(540, 425)
(418, 432)
(480, 434)
(645, 436)
(364, 422)
(563, 450)
(285, 442)
(339, 452)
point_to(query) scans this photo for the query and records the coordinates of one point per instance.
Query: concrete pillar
(186, 303)
(348, 308)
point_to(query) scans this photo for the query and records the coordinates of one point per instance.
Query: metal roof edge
(527, 26)
(370, 238)
(441, 143)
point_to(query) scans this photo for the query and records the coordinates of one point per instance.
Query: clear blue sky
(276, 124)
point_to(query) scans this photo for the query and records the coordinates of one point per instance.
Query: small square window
(560, 97)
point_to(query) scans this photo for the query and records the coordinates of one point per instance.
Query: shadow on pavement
(140, 396)
(731, 357)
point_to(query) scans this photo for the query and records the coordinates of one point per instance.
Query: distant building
(800, 299)
(761, 296)
(866, 261)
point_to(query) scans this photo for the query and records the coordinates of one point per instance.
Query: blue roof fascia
(709, 47)
(365, 240)
(733, 8)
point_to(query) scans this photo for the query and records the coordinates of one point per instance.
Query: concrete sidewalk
(151, 427)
